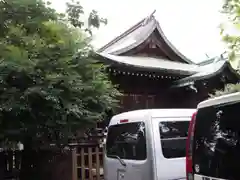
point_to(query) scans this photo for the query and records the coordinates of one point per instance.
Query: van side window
(173, 138)
(127, 141)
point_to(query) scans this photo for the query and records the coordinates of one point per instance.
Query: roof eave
(143, 68)
(185, 81)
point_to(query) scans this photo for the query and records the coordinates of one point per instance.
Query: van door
(126, 152)
(170, 136)
(216, 143)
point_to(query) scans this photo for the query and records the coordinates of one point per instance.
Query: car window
(173, 138)
(127, 141)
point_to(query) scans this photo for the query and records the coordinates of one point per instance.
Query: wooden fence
(10, 164)
(83, 162)
(87, 162)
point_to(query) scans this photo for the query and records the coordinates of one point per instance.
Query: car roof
(229, 98)
(154, 113)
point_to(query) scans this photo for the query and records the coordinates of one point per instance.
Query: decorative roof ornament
(224, 55)
(149, 18)
(192, 87)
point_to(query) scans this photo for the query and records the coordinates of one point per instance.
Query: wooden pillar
(2, 164)
(74, 164)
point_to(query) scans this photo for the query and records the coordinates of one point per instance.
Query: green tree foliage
(231, 8)
(228, 89)
(50, 83)
(75, 13)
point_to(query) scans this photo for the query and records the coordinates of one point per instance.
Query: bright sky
(191, 25)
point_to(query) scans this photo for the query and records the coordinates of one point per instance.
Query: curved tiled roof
(206, 72)
(194, 72)
(136, 36)
(139, 33)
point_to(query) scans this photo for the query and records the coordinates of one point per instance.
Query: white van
(147, 145)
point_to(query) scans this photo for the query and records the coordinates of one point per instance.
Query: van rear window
(127, 141)
(216, 145)
(173, 138)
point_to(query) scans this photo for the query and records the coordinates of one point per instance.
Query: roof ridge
(127, 32)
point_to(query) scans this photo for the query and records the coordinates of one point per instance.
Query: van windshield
(216, 147)
(127, 141)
